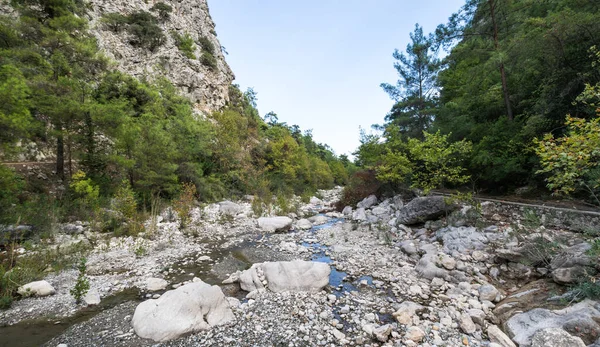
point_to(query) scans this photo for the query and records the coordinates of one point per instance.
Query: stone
(383, 332)
(91, 298)
(338, 334)
(379, 211)
(347, 211)
(554, 337)
(423, 209)
(488, 292)
(567, 275)
(415, 334)
(156, 284)
(463, 240)
(406, 311)
(359, 215)
(477, 315)
(229, 208)
(188, 309)
(579, 319)
(447, 262)
(296, 275)
(479, 255)
(315, 201)
(499, 337)
(466, 324)
(37, 288)
(303, 224)
(275, 224)
(318, 219)
(426, 267)
(367, 202)
(409, 247)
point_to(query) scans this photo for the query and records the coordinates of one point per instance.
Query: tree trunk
(60, 152)
(509, 113)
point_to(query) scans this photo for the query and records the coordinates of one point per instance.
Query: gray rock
(379, 211)
(488, 292)
(359, 215)
(229, 208)
(367, 202)
(406, 311)
(426, 267)
(466, 323)
(92, 298)
(383, 332)
(498, 336)
(72, 228)
(569, 274)
(409, 247)
(579, 319)
(188, 309)
(347, 211)
(554, 337)
(303, 224)
(37, 288)
(462, 240)
(318, 219)
(423, 209)
(297, 275)
(156, 284)
(275, 224)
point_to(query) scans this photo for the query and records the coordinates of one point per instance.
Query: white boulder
(190, 308)
(275, 224)
(38, 288)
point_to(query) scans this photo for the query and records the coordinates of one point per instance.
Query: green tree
(415, 91)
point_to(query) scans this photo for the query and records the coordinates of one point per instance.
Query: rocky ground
(421, 273)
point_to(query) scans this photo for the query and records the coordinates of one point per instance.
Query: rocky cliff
(206, 86)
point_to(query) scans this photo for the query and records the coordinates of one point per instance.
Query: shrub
(145, 30)
(83, 284)
(184, 203)
(114, 22)
(209, 61)
(124, 201)
(206, 45)
(361, 185)
(185, 43)
(164, 10)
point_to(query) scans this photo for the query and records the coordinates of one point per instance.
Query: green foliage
(209, 61)
(85, 189)
(15, 118)
(185, 202)
(10, 187)
(361, 184)
(163, 10)
(185, 43)
(124, 201)
(142, 26)
(82, 285)
(206, 45)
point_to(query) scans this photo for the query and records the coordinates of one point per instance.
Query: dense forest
(118, 140)
(482, 102)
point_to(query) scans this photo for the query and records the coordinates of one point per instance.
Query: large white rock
(38, 288)
(553, 337)
(367, 202)
(274, 224)
(92, 298)
(303, 224)
(229, 208)
(281, 276)
(190, 308)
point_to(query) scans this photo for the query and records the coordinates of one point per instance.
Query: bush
(207, 45)
(164, 10)
(114, 22)
(184, 203)
(361, 185)
(10, 186)
(209, 61)
(185, 43)
(145, 30)
(83, 284)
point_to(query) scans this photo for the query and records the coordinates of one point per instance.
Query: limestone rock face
(190, 308)
(207, 88)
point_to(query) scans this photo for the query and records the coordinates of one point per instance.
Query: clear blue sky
(319, 63)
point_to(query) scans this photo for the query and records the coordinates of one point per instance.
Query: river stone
(156, 284)
(303, 224)
(498, 336)
(275, 224)
(38, 288)
(229, 208)
(463, 240)
(415, 334)
(406, 311)
(318, 219)
(92, 298)
(296, 275)
(367, 202)
(359, 215)
(347, 211)
(426, 267)
(488, 292)
(188, 309)
(466, 323)
(579, 319)
(422, 209)
(568, 275)
(553, 337)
